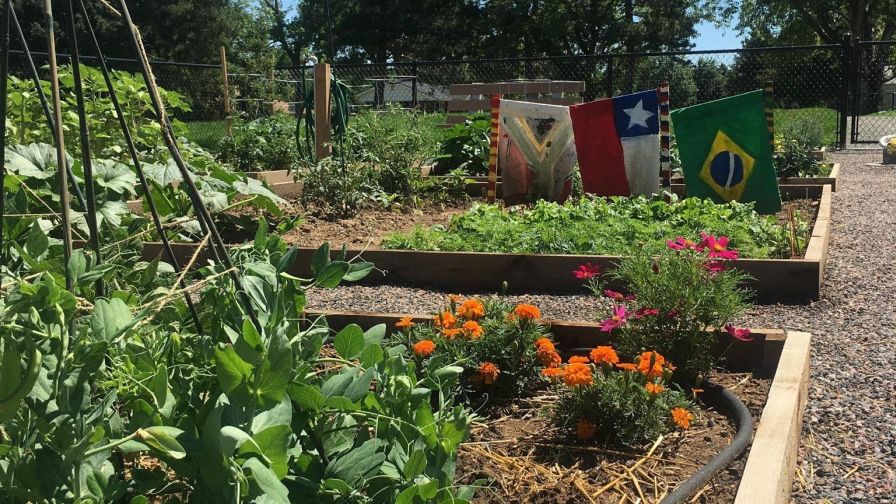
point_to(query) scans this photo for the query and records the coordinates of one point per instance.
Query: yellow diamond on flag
(727, 168)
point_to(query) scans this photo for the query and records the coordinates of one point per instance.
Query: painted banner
(536, 152)
(618, 144)
(725, 151)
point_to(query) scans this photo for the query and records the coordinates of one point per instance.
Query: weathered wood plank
(521, 87)
(768, 475)
(757, 355)
(477, 105)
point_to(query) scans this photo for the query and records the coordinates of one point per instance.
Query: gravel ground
(848, 450)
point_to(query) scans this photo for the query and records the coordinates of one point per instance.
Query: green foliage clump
(677, 302)
(465, 147)
(473, 333)
(272, 411)
(266, 143)
(805, 130)
(379, 162)
(793, 159)
(26, 122)
(617, 226)
(617, 407)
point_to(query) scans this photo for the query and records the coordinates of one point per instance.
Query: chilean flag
(618, 144)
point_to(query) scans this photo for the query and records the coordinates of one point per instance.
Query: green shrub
(493, 341)
(792, 159)
(465, 147)
(267, 143)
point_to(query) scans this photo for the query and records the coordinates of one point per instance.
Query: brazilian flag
(725, 151)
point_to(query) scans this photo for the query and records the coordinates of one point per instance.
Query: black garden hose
(732, 407)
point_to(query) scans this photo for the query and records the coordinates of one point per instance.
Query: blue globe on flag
(727, 169)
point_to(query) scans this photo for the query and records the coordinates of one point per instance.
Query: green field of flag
(725, 151)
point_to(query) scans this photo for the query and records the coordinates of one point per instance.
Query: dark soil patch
(525, 459)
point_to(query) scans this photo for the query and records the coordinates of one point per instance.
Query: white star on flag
(638, 115)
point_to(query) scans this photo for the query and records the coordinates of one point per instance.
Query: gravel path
(850, 421)
(848, 450)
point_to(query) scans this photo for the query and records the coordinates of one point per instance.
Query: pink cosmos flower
(742, 334)
(587, 271)
(681, 243)
(615, 321)
(714, 266)
(646, 312)
(717, 248)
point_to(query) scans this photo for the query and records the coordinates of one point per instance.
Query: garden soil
(527, 460)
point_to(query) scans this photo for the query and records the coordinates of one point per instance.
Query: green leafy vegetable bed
(607, 227)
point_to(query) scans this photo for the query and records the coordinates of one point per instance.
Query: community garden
(160, 339)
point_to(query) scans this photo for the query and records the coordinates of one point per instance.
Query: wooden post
(228, 120)
(322, 110)
(665, 137)
(491, 192)
(770, 112)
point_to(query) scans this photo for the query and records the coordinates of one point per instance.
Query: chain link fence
(811, 84)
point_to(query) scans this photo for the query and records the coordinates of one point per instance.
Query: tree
(827, 21)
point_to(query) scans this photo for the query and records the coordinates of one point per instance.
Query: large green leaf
(162, 174)
(110, 318)
(358, 464)
(32, 161)
(163, 439)
(276, 371)
(111, 212)
(114, 176)
(268, 482)
(274, 444)
(234, 374)
(349, 341)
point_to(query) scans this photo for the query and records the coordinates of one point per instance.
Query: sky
(711, 37)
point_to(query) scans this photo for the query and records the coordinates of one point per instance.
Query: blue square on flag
(637, 114)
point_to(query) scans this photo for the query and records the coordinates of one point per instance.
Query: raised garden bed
(529, 463)
(773, 280)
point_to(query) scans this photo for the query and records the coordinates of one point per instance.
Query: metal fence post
(845, 73)
(414, 84)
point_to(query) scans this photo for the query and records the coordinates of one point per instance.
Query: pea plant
(121, 397)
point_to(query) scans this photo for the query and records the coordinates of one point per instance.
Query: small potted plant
(889, 147)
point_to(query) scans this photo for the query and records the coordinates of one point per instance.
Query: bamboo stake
(60, 148)
(135, 159)
(228, 119)
(4, 70)
(84, 131)
(322, 140)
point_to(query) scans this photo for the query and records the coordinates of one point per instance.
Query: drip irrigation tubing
(732, 407)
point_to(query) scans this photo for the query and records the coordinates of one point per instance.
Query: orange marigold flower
(627, 366)
(451, 333)
(604, 355)
(553, 373)
(682, 418)
(445, 320)
(488, 372)
(471, 309)
(654, 388)
(548, 358)
(651, 364)
(405, 323)
(579, 359)
(585, 430)
(424, 348)
(577, 374)
(527, 312)
(472, 329)
(454, 298)
(544, 343)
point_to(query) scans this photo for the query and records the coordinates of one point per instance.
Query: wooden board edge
(759, 356)
(771, 464)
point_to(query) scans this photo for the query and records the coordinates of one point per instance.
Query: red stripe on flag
(599, 149)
